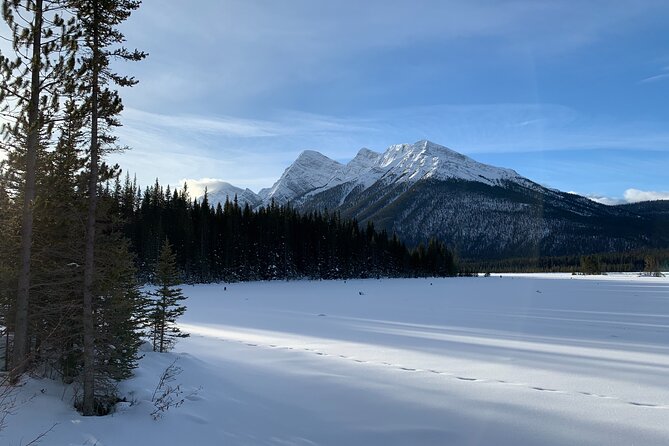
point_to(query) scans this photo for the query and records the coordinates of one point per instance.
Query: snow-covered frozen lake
(512, 360)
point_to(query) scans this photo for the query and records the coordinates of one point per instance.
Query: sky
(571, 94)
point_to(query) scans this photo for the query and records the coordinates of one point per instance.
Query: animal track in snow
(462, 378)
(544, 389)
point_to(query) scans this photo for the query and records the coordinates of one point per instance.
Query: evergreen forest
(230, 242)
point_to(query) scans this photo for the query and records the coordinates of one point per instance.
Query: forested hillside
(231, 243)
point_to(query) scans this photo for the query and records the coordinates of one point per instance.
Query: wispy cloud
(235, 54)
(605, 200)
(629, 196)
(246, 152)
(529, 122)
(657, 77)
(253, 153)
(636, 195)
(222, 126)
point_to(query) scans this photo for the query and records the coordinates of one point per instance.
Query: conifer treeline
(231, 242)
(630, 261)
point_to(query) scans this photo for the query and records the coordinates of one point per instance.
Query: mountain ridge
(425, 190)
(313, 172)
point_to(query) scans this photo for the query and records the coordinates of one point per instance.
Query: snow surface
(512, 360)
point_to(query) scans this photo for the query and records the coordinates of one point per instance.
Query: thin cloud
(529, 122)
(224, 126)
(629, 196)
(605, 200)
(246, 153)
(235, 53)
(636, 195)
(286, 123)
(655, 78)
(253, 153)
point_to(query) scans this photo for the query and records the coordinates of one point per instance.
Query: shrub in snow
(167, 395)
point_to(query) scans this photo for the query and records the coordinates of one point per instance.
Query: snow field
(512, 360)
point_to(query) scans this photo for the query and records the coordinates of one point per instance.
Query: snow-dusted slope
(427, 160)
(363, 169)
(424, 190)
(220, 191)
(311, 170)
(313, 173)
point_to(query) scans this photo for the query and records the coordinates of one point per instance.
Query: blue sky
(572, 94)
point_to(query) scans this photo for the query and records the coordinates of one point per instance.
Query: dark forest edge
(631, 261)
(230, 242)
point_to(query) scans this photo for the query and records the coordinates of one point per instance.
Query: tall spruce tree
(9, 227)
(119, 310)
(102, 42)
(55, 319)
(30, 85)
(167, 307)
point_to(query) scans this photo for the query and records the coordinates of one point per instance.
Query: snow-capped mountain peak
(313, 172)
(310, 170)
(365, 157)
(424, 190)
(218, 191)
(425, 159)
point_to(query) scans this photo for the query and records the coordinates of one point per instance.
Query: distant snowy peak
(427, 160)
(311, 170)
(362, 169)
(364, 158)
(365, 164)
(220, 191)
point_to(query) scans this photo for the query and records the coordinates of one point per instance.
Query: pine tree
(56, 299)
(120, 312)
(102, 43)
(30, 85)
(9, 247)
(167, 305)
(652, 266)
(590, 265)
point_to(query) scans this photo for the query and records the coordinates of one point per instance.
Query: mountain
(310, 171)
(648, 208)
(313, 173)
(425, 190)
(220, 191)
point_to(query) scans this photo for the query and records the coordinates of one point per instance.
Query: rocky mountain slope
(425, 190)
(225, 191)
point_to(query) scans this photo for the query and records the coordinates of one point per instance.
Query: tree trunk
(162, 326)
(20, 352)
(155, 328)
(6, 368)
(88, 404)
